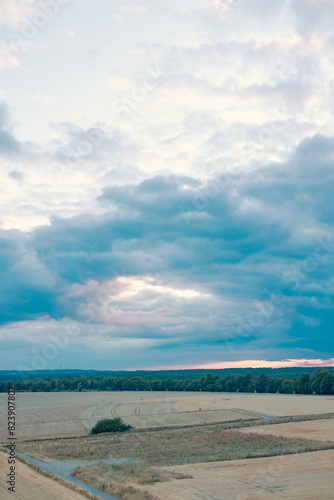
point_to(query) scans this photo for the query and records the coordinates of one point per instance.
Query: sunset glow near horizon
(253, 363)
(167, 184)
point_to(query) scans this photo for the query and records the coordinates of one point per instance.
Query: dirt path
(31, 485)
(306, 476)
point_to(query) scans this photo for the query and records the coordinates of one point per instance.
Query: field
(316, 429)
(284, 460)
(307, 476)
(43, 415)
(172, 447)
(152, 452)
(31, 485)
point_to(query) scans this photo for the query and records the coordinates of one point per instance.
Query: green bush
(110, 425)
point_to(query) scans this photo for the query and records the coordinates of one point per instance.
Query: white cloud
(67, 36)
(15, 12)
(45, 99)
(133, 9)
(7, 58)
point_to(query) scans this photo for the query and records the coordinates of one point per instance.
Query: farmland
(152, 452)
(61, 414)
(315, 429)
(307, 476)
(42, 415)
(31, 485)
(192, 463)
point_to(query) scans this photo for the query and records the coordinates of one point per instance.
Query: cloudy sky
(167, 183)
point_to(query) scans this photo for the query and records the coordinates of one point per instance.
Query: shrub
(110, 425)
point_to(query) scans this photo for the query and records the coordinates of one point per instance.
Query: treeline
(319, 382)
(182, 374)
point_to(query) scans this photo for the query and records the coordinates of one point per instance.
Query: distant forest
(281, 380)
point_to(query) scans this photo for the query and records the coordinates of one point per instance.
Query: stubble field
(315, 429)
(206, 463)
(306, 476)
(44, 415)
(32, 486)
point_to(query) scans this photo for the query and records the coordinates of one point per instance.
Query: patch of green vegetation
(110, 425)
(295, 380)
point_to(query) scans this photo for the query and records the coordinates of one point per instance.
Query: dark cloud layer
(234, 241)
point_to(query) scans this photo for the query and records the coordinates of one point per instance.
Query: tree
(287, 385)
(246, 383)
(261, 383)
(208, 382)
(133, 384)
(303, 385)
(192, 386)
(152, 385)
(231, 383)
(327, 384)
(316, 380)
(110, 425)
(274, 385)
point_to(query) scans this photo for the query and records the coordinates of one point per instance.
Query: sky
(167, 184)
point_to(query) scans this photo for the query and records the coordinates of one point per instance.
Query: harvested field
(316, 429)
(157, 414)
(57, 420)
(31, 485)
(161, 456)
(152, 451)
(272, 405)
(307, 476)
(43, 415)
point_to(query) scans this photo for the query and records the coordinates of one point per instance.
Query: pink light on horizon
(250, 363)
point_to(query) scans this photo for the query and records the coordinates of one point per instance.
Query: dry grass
(173, 447)
(230, 424)
(152, 450)
(123, 480)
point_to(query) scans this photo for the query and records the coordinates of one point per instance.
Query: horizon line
(245, 364)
